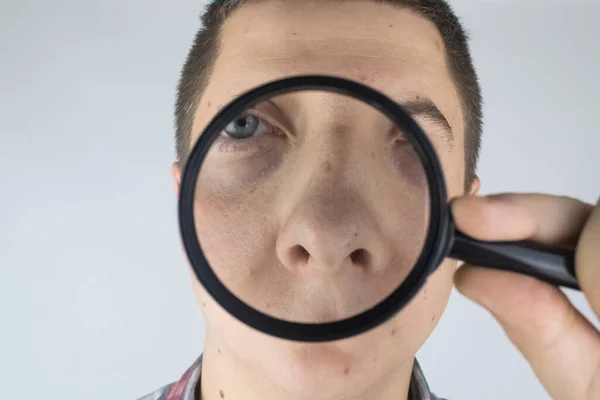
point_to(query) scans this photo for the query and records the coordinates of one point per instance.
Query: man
(414, 51)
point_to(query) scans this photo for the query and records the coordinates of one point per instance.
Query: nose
(328, 231)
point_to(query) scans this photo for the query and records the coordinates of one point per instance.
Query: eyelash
(226, 144)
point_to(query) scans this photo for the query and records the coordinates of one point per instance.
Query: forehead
(386, 47)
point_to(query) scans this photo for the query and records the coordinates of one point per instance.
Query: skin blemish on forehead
(347, 371)
(221, 394)
(363, 78)
(393, 332)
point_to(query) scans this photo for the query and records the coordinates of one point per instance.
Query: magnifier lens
(311, 206)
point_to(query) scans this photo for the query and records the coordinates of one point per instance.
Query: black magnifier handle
(549, 264)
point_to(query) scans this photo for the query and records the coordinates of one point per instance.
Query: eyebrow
(428, 111)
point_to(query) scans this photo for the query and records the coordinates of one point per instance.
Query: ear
(176, 173)
(475, 186)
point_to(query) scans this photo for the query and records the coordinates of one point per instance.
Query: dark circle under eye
(243, 127)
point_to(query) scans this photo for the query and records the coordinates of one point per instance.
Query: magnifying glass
(249, 156)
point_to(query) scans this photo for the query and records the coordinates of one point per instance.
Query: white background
(95, 299)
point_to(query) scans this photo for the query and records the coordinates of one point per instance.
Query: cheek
(413, 325)
(226, 331)
(233, 233)
(436, 292)
(238, 236)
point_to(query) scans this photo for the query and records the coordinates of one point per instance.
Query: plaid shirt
(187, 387)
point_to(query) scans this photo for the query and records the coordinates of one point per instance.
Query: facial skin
(330, 189)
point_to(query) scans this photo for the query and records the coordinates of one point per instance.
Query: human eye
(247, 126)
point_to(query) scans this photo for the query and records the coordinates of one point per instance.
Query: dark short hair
(201, 58)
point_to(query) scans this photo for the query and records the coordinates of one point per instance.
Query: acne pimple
(346, 370)
(221, 394)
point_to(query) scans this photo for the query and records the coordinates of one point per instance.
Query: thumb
(562, 347)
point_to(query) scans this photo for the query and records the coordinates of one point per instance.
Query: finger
(587, 260)
(562, 347)
(542, 218)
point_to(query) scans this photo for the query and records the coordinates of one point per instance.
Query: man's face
(325, 207)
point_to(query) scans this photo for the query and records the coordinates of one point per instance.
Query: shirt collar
(188, 385)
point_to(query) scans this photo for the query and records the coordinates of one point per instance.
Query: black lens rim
(433, 252)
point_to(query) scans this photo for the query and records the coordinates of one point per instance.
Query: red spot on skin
(346, 370)
(221, 394)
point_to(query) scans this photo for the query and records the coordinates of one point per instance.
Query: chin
(340, 369)
(324, 370)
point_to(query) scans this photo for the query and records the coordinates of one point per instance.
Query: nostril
(360, 257)
(299, 254)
